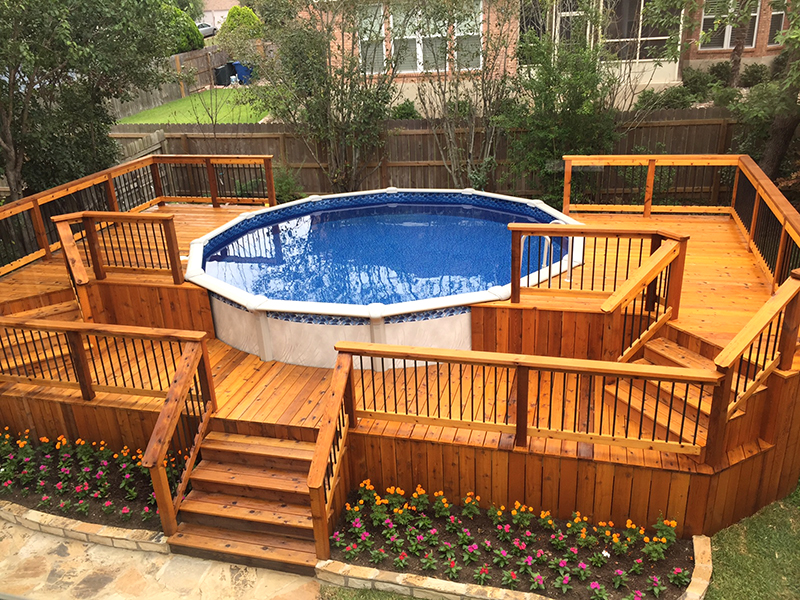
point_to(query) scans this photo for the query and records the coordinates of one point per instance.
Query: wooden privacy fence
(27, 230)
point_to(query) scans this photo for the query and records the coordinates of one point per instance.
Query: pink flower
(678, 571)
(59, 485)
(562, 563)
(125, 510)
(618, 572)
(147, 510)
(594, 585)
(574, 550)
(43, 468)
(582, 566)
(107, 503)
(565, 581)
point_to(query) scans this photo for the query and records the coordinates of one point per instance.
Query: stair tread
(678, 354)
(260, 546)
(248, 509)
(262, 446)
(49, 310)
(255, 477)
(692, 397)
(664, 414)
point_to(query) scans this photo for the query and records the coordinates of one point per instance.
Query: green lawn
(759, 557)
(200, 108)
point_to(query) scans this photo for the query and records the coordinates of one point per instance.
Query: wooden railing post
(655, 244)
(567, 185)
(781, 259)
(111, 194)
(754, 219)
(158, 188)
(787, 344)
(205, 376)
(319, 521)
(718, 419)
(648, 190)
(270, 181)
(350, 396)
(94, 247)
(172, 251)
(675, 289)
(516, 265)
(38, 228)
(80, 364)
(166, 509)
(521, 437)
(212, 182)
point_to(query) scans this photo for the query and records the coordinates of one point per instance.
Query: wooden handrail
(171, 410)
(661, 160)
(642, 276)
(72, 255)
(611, 231)
(747, 335)
(112, 216)
(547, 363)
(126, 331)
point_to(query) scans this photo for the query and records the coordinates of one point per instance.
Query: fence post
(212, 183)
(80, 364)
(180, 79)
(791, 323)
(270, 181)
(38, 228)
(567, 185)
(516, 265)
(521, 437)
(718, 419)
(94, 247)
(648, 190)
(111, 193)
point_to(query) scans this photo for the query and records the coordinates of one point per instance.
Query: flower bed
(79, 479)
(512, 548)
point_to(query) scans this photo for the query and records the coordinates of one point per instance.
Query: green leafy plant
(753, 74)
(404, 110)
(482, 574)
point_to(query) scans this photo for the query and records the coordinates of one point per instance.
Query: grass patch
(331, 592)
(759, 558)
(221, 104)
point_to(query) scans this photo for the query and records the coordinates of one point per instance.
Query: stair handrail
(325, 472)
(193, 374)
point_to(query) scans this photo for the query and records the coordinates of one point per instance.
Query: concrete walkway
(37, 566)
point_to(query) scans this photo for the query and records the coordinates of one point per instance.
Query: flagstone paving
(37, 565)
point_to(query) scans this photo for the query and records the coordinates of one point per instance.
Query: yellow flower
(514, 513)
(646, 540)
(44, 440)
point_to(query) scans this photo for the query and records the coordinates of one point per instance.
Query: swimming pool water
(361, 255)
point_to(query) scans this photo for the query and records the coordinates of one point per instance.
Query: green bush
(186, 36)
(697, 82)
(754, 74)
(778, 66)
(672, 97)
(725, 96)
(241, 20)
(405, 110)
(721, 72)
(287, 184)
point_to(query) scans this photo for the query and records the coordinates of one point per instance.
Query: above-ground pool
(389, 266)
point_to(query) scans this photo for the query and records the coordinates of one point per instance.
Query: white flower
(606, 554)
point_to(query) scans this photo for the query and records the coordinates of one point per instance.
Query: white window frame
(364, 39)
(639, 39)
(772, 15)
(728, 34)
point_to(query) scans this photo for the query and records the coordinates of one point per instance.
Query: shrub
(287, 184)
(778, 66)
(405, 110)
(721, 72)
(725, 96)
(697, 82)
(186, 35)
(672, 97)
(754, 74)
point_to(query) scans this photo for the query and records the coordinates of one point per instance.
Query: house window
(775, 26)
(628, 37)
(724, 37)
(372, 35)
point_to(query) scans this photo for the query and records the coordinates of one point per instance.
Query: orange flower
(646, 540)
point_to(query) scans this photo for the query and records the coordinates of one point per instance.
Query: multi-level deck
(655, 376)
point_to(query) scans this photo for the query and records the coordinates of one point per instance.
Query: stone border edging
(418, 586)
(130, 539)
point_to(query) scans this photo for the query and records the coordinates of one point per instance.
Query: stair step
(268, 483)
(690, 396)
(665, 418)
(62, 311)
(255, 549)
(248, 514)
(663, 351)
(258, 451)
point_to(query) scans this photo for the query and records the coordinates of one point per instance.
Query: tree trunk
(736, 56)
(781, 133)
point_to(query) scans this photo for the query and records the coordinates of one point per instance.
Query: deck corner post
(349, 394)
(567, 185)
(521, 436)
(787, 344)
(89, 228)
(675, 288)
(320, 523)
(516, 265)
(206, 378)
(111, 194)
(80, 364)
(648, 190)
(212, 182)
(166, 508)
(158, 187)
(718, 419)
(270, 181)
(172, 250)
(38, 228)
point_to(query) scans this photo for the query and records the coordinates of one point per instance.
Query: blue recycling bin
(242, 72)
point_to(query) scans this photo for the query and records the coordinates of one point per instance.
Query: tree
(467, 81)
(193, 8)
(325, 71)
(241, 33)
(53, 52)
(186, 35)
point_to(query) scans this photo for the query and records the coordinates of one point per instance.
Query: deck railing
(27, 232)
(553, 398)
(121, 242)
(326, 473)
(181, 426)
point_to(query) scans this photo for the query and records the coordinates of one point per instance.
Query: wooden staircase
(60, 311)
(249, 503)
(646, 407)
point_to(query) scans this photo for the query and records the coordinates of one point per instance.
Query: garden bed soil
(679, 555)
